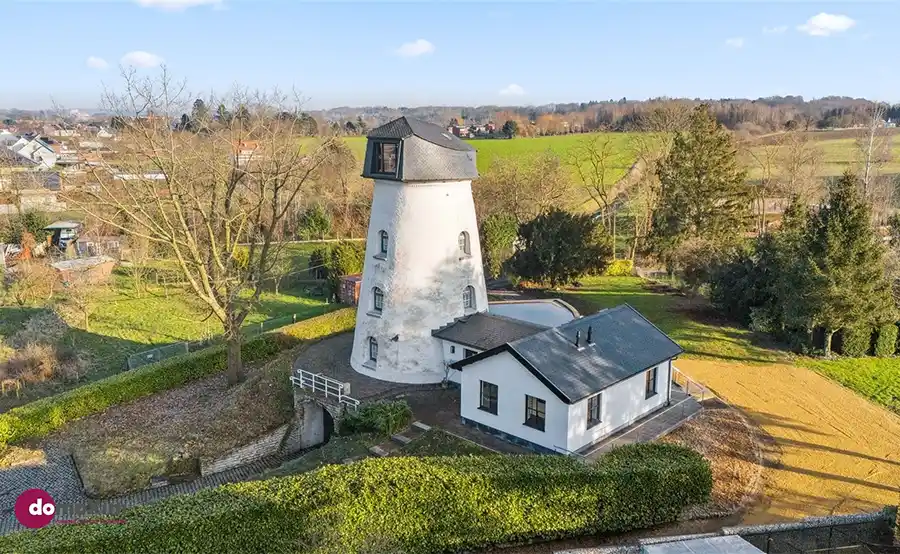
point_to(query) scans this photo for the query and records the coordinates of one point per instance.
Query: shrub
(856, 341)
(419, 505)
(386, 417)
(620, 268)
(39, 418)
(886, 343)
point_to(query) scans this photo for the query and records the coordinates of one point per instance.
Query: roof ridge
(519, 321)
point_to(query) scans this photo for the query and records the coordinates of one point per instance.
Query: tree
(510, 128)
(498, 234)
(844, 262)
(874, 146)
(524, 186)
(798, 162)
(32, 280)
(593, 158)
(223, 115)
(703, 191)
(199, 115)
(558, 247)
(344, 258)
(315, 223)
(215, 216)
(361, 126)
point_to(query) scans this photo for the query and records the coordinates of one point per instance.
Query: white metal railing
(331, 388)
(691, 387)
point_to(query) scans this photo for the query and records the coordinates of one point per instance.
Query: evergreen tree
(498, 234)
(223, 115)
(843, 260)
(703, 190)
(199, 115)
(558, 247)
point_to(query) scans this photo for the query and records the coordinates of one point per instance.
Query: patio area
(682, 408)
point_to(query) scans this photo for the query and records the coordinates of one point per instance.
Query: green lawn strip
(436, 442)
(405, 504)
(335, 451)
(878, 379)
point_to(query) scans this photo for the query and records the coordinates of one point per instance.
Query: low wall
(268, 445)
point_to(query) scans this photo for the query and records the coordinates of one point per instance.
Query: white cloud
(415, 48)
(96, 63)
(177, 5)
(826, 24)
(139, 58)
(777, 30)
(736, 42)
(512, 90)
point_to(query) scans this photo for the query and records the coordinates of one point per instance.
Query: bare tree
(592, 159)
(212, 199)
(523, 186)
(799, 162)
(764, 158)
(874, 148)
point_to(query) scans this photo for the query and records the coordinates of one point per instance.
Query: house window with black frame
(373, 349)
(650, 385)
(594, 410)
(488, 401)
(535, 412)
(469, 298)
(386, 158)
(468, 353)
(464, 248)
(383, 243)
(377, 300)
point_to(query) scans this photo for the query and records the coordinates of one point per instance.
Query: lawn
(436, 442)
(335, 451)
(837, 156)
(878, 379)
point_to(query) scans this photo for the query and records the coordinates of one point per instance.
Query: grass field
(837, 156)
(837, 452)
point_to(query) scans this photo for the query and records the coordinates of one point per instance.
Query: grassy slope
(878, 379)
(838, 155)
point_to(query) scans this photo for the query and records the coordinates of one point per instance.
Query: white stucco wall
(620, 405)
(513, 383)
(453, 352)
(422, 277)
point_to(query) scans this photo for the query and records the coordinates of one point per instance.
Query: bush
(385, 417)
(39, 418)
(415, 506)
(856, 341)
(620, 268)
(886, 343)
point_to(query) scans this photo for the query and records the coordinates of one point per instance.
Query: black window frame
(488, 397)
(535, 413)
(377, 300)
(452, 349)
(373, 347)
(383, 243)
(378, 157)
(595, 410)
(650, 389)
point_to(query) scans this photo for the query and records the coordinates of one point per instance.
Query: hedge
(404, 504)
(41, 417)
(856, 341)
(886, 343)
(619, 268)
(385, 417)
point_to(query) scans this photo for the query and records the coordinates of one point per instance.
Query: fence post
(293, 318)
(187, 347)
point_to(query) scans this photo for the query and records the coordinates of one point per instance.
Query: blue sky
(415, 53)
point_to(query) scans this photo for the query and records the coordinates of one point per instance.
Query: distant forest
(752, 116)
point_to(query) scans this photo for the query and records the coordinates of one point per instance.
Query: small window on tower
(383, 243)
(469, 298)
(386, 158)
(464, 247)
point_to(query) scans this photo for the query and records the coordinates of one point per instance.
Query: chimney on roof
(577, 339)
(590, 337)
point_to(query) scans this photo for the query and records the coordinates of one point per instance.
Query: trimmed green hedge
(886, 343)
(856, 341)
(41, 417)
(409, 505)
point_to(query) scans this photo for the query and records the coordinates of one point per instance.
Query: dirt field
(839, 453)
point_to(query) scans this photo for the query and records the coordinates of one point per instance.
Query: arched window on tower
(469, 298)
(465, 248)
(382, 243)
(377, 300)
(373, 349)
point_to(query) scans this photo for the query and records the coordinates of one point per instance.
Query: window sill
(369, 365)
(381, 257)
(592, 424)
(465, 257)
(535, 427)
(483, 409)
(374, 314)
(651, 395)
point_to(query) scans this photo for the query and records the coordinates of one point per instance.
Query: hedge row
(386, 418)
(41, 417)
(857, 342)
(408, 505)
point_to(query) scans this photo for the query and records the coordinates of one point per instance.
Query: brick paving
(56, 475)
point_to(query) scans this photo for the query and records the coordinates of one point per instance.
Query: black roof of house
(424, 152)
(624, 344)
(404, 127)
(485, 331)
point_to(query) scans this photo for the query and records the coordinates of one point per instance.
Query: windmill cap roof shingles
(485, 331)
(624, 344)
(404, 127)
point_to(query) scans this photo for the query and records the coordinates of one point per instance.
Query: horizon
(456, 54)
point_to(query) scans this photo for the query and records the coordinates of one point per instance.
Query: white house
(565, 388)
(422, 264)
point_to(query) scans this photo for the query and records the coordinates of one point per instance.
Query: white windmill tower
(423, 257)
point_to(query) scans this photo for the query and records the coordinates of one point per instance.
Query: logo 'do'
(35, 508)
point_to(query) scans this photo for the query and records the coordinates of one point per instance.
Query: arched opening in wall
(377, 300)
(382, 243)
(327, 425)
(469, 298)
(465, 248)
(373, 350)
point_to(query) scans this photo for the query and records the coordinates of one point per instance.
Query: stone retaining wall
(267, 445)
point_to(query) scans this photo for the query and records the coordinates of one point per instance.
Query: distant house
(96, 269)
(563, 389)
(36, 149)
